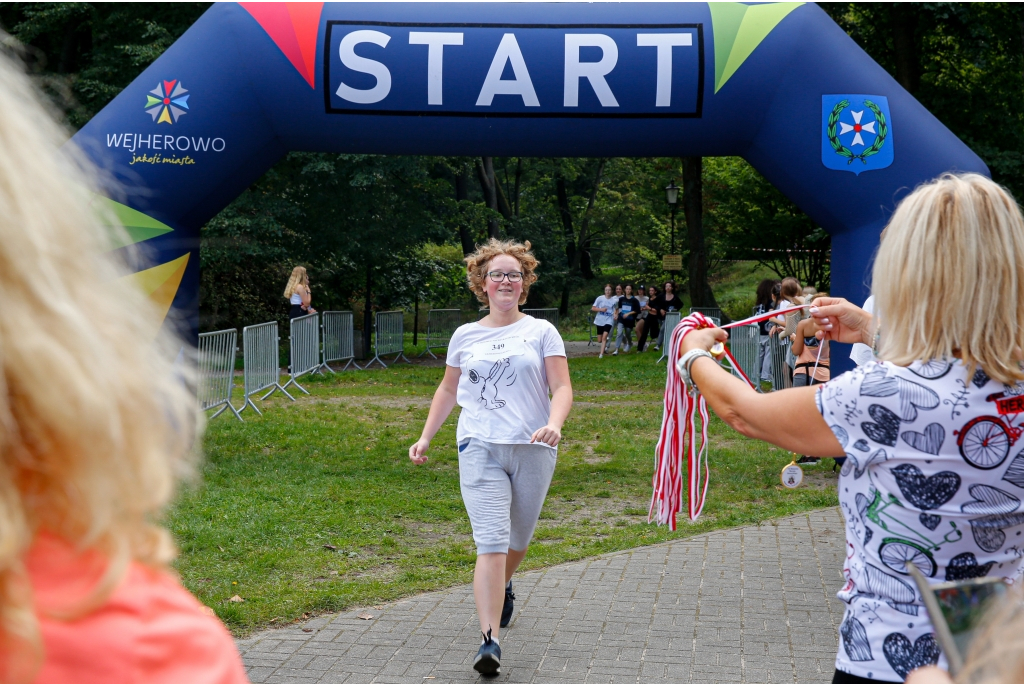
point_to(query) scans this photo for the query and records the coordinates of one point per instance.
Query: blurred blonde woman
(95, 430)
(298, 294)
(925, 431)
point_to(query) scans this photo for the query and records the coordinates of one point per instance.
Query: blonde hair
(477, 263)
(96, 425)
(994, 654)
(298, 277)
(949, 277)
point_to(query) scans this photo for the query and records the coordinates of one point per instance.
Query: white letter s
(346, 51)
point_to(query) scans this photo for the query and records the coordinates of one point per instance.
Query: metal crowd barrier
(338, 336)
(389, 338)
(304, 348)
(546, 314)
(713, 313)
(217, 370)
(744, 344)
(262, 359)
(672, 320)
(441, 324)
(779, 347)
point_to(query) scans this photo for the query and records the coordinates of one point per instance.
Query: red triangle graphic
(168, 87)
(306, 20)
(293, 26)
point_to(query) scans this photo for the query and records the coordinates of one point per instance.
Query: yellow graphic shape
(165, 116)
(161, 282)
(138, 226)
(739, 29)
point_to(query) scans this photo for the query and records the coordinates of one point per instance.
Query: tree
(82, 54)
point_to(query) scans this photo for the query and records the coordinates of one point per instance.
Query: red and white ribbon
(678, 447)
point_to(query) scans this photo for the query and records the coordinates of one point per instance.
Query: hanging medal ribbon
(678, 448)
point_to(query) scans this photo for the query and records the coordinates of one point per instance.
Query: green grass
(315, 506)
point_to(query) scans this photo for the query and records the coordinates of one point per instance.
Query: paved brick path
(753, 604)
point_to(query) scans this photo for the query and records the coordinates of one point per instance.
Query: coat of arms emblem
(856, 132)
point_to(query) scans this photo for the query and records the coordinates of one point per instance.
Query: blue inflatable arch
(778, 84)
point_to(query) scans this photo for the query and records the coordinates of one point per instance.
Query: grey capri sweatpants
(503, 488)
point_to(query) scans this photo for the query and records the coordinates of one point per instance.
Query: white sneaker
(600, 355)
(615, 352)
(626, 350)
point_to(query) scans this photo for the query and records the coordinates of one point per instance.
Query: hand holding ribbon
(842, 321)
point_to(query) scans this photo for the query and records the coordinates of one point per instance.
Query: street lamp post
(672, 196)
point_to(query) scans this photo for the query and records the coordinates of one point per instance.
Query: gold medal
(792, 475)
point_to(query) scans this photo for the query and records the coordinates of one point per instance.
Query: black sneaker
(488, 659)
(510, 603)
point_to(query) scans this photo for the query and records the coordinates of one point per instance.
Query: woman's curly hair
(476, 265)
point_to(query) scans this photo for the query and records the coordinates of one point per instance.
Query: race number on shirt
(498, 349)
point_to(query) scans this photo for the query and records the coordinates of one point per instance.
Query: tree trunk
(519, 178)
(577, 250)
(368, 313)
(485, 171)
(462, 193)
(693, 210)
(904, 43)
(562, 198)
(415, 317)
(584, 239)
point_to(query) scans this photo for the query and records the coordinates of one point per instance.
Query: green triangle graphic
(150, 101)
(138, 226)
(739, 29)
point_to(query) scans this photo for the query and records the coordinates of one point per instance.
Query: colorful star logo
(167, 100)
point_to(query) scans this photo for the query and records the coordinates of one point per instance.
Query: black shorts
(604, 329)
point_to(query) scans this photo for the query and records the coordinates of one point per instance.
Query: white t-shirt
(605, 318)
(929, 479)
(862, 354)
(503, 389)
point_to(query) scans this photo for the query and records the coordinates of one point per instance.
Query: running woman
(604, 309)
(500, 371)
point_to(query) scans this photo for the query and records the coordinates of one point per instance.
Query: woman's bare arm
(557, 369)
(801, 332)
(440, 407)
(788, 419)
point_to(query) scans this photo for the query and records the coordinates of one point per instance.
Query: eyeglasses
(499, 276)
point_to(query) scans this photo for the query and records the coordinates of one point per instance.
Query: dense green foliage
(365, 225)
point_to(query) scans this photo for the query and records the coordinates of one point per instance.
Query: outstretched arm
(789, 419)
(557, 369)
(440, 407)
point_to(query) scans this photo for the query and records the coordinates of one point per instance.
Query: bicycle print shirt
(931, 478)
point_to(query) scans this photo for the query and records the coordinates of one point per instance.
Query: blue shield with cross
(856, 132)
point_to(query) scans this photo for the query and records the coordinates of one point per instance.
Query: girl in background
(764, 304)
(298, 293)
(641, 317)
(628, 308)
(604, 308)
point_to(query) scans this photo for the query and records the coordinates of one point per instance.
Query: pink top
(809, 356)
(149, 629)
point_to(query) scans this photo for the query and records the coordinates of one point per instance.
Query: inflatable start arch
(778, 84)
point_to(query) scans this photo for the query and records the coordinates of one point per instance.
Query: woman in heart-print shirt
(933, 475)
